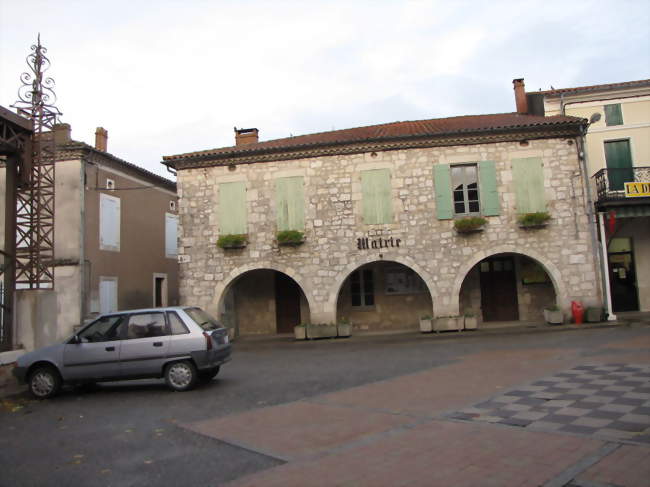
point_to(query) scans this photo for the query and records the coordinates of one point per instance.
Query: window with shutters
(232, 208)
(613, 114)
(466, 189)
(362, 288)
(109, 222)
(376, 196)
(171, 235)
(290, 203)
(528, 177)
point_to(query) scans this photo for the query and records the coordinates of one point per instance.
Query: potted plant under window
(470, 224)
(300, 331)
(344, 328)
(471, 321)
(232, 241)
(426, 325)
(537, 219)
(290, 238)
(445, 323)
(553, 315)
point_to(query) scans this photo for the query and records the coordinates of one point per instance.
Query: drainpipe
(603, 243)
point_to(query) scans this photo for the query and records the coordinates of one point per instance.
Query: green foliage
(232, 241)
(469, 224)
(425, 317)
(553, 307)
(290, 237)
(534, 219)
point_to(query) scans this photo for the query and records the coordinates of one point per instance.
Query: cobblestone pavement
(607, 401)
(582, 421)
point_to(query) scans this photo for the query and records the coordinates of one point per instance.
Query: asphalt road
(129, 434)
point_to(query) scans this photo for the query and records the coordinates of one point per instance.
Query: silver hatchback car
(184, 345)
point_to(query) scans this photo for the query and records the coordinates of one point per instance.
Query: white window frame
(466, 201)
(108, 307)
(104, 224)
(169, 252)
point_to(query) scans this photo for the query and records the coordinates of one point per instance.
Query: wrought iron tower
(34, 257)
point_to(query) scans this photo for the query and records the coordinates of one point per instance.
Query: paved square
(609, 401)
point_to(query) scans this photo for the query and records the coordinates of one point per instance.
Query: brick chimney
(520, 96)
(61, 133)
(246, 136)
(101, 139)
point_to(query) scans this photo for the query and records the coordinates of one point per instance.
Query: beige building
(618, 149)
(115, 242)
(373, 211)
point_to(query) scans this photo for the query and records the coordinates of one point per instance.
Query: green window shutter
(290, 203)
(442, 180)
(232, 208)
(619, 164)
(490, 203)
(613, 114)
(528, 176)
(376, 195)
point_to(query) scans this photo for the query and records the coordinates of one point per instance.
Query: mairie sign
(635, 190)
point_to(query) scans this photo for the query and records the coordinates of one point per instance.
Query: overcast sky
(167, 77)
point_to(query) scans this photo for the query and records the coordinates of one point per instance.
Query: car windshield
(203, 319)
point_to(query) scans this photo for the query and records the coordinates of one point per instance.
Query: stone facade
(445, 261)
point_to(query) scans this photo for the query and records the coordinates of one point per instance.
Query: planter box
(553, 317)
(471, 322)
(321, 331)
(300, 332)
(469, 231)
(594, 315)
(292, 243)
(426, 326)
(449, 323)
(533, 227)
(344, 329)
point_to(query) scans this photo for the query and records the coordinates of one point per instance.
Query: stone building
(377, 207)
(618, 148)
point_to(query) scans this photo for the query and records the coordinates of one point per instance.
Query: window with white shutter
(109, 222)
(171, 235)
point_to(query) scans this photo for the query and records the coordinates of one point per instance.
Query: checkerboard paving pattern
(610, 401)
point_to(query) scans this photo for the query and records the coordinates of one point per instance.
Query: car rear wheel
(44, 382)
(208, 375)
(181, 376)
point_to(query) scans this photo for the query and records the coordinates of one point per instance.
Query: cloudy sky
(166, 77)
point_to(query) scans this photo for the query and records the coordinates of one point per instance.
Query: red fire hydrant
(577, 311)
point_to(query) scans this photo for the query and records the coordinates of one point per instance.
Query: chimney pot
(520, 96)
(246, 136)
(101, 139)
(61, 133)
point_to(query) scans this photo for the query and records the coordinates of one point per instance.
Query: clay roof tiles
(384, 132)
(595, 88)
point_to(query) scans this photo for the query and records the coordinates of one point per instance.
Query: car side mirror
(76, 340)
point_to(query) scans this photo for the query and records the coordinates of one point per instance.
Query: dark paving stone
(603, 415)
(641, 410)
(628, 401)
(611, 393)
(560, 418)
(516, 422)
(624, 426)
(583, 430)
(586, 405)
(531, 401)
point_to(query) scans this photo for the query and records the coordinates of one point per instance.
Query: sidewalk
(408, 431)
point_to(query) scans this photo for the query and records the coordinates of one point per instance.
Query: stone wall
(431, 247)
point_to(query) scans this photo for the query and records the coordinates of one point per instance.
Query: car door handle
(157, 344)
(110, 349)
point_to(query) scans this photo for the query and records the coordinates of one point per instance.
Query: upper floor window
(171, 235)
(232, 208)
(290, 203)
(613, 114)
(376, 196)
(109, 222)
(466, 189)
(464, 181)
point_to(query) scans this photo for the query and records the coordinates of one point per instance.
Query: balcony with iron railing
(610, 182)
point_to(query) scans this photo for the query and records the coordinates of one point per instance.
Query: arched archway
(382, 294)
(263, 300)
(507, 286)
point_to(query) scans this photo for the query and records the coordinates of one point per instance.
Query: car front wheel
(44, 382)
(181, 376)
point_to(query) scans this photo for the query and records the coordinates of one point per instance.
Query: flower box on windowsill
(321, 330)
(471, 224)
(531, 221)
(232, 241)
(290, 238)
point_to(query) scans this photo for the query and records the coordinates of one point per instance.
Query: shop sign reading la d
(635, 190)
